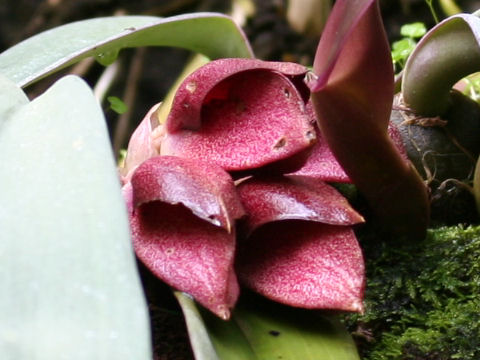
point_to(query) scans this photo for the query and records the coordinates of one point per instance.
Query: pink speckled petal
(321, 164)
(197, 88)
(206, 189)
(143, 144)
(293, 198)
(251, 119)
(304, 264)
(186, 252)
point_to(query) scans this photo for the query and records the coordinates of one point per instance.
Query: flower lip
(206, 189)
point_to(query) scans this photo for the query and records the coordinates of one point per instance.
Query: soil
(272, 39)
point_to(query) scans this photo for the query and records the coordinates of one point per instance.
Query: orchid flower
(235, 190)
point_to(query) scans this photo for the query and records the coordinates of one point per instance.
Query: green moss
(422, 300)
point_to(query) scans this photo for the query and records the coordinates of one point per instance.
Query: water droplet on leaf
(108, 57)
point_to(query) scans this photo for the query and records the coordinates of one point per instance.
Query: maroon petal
(186, 252)
(197, 88)
(304, 264)
(281, 198)
(206, 189)
(250, 119)
(321, 163)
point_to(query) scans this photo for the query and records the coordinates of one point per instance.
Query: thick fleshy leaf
(447, 53)
(70, 287)
(285, 198)
(206, 189)
(214, 35)
(263, 330)
(352, 96)
(239, 114)
(304, 264)
(188, 253)
(342, 20)
(143, 144)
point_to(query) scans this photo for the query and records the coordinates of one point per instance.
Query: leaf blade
(263, 330)
(70, 284)
(28, 61)
(426, 83)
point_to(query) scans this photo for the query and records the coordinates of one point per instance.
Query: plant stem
(432, 10)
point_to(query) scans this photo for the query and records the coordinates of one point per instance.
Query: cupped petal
(186, 252)
(204, 188)
(304, 264)
(250, 119)
(270, 199)
(202, 85)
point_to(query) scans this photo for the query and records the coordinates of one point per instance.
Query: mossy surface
(423, 299)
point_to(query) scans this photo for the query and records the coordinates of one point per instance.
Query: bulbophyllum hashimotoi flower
(231, 192)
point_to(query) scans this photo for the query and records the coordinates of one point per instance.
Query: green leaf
(70, 287)
(199, 339)
(431, 70)
(413, 30)
(213, 35)
(117, 105)
(11, 97)
(402, 49)
(263, 330)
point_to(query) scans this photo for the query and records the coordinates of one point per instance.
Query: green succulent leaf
(262, 330)
(214, 35)
(446, 54)
(70, 287)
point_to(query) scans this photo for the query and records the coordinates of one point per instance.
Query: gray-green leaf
(214, 35)
(70, 287)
